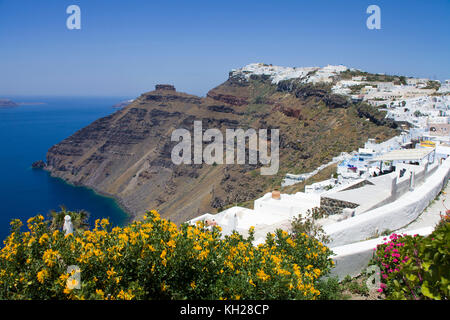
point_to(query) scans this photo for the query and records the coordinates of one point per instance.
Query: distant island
(7, 103)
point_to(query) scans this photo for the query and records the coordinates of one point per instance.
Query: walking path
(431, 215)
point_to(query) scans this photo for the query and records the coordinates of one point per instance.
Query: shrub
(155, 259)
(307, 224)
(331, 289)
(353, 286)
(415, 267)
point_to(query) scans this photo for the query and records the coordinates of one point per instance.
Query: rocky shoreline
(41, 165)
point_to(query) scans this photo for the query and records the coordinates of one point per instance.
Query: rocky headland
(128, 153)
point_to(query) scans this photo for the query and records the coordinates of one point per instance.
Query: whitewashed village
(376, 190)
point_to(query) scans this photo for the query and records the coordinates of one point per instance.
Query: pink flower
(380, 290)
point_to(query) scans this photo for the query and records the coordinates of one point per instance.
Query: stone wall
(165, 87)
(358, 185)
(333, 206)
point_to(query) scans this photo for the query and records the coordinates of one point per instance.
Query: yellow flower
(64, 277)
(262, 275)
(123, 237)
(42, 275)
(43, 238)
(31, 241)
(50, 257)
(290, 242)
(203, 254)
(317, 272)
(163, 254)
(125, 295)
(72, 283)
(193, 285)
(171, 244)
(229, 264)
(111, 273)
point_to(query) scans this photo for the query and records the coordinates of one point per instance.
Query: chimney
(276, 195)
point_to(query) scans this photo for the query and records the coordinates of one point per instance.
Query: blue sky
(126, 47)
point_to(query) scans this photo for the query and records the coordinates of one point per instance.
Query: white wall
(289, 205)
(392, 216)
(352, 259)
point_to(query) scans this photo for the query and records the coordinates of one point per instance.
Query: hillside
(128, 154)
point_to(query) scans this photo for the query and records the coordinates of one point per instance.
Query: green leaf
(411, 277)
(427, 293)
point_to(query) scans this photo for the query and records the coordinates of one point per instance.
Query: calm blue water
(26, 133)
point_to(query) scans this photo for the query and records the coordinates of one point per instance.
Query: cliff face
(128, 154)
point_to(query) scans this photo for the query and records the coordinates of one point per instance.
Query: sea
(26, 133)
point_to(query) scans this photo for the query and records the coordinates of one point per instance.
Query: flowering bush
(415, 267)
(155, 259)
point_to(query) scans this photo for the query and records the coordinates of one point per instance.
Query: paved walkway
(431, 215)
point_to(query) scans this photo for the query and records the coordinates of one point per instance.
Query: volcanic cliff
(128, 154)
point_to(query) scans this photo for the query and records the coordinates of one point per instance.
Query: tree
(79, 219)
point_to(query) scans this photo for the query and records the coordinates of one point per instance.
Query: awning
(405, 155)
